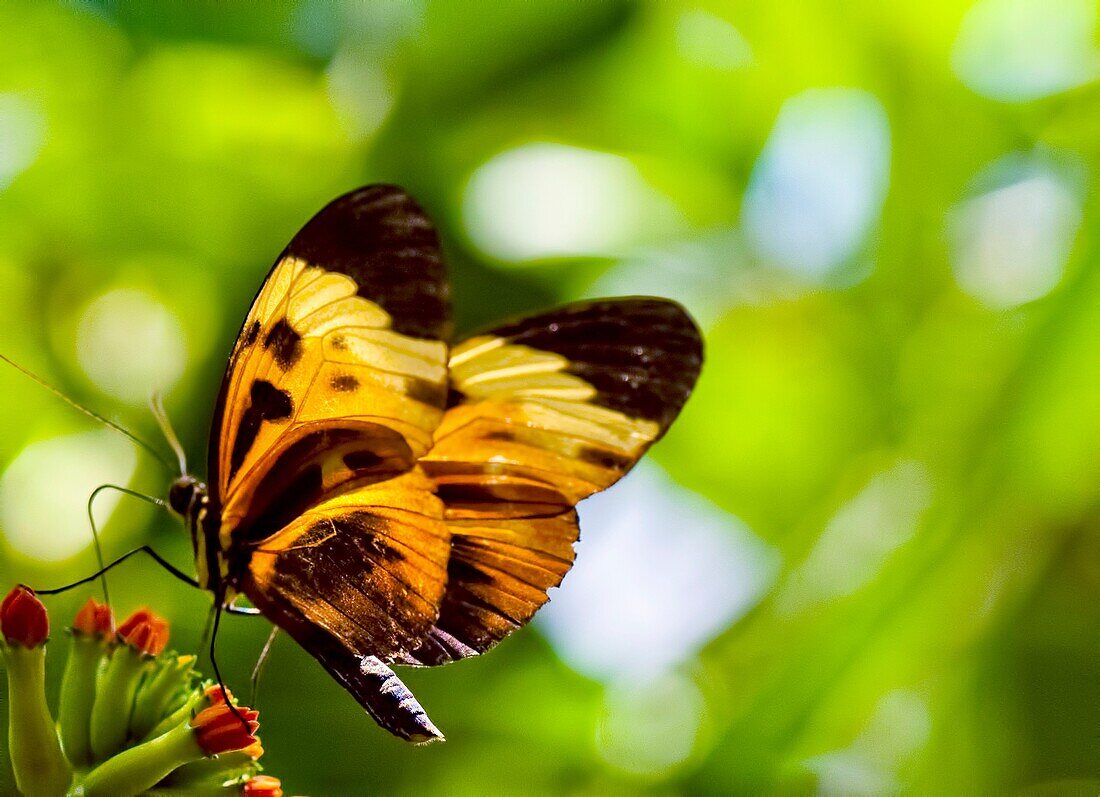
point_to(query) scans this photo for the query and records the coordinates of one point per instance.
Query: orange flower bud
(23, 618)
(255, 751)
(221, 731)
(263, 786)
(144, 631)
(94, 619)
(215, 696)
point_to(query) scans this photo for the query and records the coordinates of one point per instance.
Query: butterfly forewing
(339, 374)
(544, 412)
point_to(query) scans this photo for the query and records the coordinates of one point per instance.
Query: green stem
(39, 765)
(78, 696)
(214, 771)
(140, 768)
(115, 700)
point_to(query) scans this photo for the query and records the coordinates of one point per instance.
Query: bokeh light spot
(660, 571)
(1025, 49)
(650, 726)
(131, 345)
(860, 537)
(44, 492)
(22, 134)
(707, 40)
(1010, 244)
(900, 725)
(360, 91)
(551, 200)
(819, 184)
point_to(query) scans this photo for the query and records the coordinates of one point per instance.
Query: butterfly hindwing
(543, 413)
(339, 373)
(366, 567)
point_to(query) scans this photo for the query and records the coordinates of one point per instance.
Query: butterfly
(387, 497)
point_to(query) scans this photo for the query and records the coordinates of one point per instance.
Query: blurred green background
(865, 560)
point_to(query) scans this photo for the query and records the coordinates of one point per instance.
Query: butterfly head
(187, 497)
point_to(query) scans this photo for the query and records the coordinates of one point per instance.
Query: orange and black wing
(333, 391)
(357, 581)
(543, 413)
(339, 373)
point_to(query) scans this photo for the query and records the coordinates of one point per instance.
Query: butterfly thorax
(190, 499)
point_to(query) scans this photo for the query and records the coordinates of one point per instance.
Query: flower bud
(263, 786)
(223, 729)
(144, 631)
(23, 618)
(37, 760)
(94, 620)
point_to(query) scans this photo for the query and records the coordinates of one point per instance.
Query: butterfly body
(386, 497)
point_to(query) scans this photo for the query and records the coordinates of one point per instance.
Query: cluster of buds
(132, 718)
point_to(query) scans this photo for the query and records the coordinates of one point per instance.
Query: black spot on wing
(266, 403)
(344, 383)
(284, 344)
(434, 394)
(604, 458)
(253, 332)
(384, 241)
(454, 397)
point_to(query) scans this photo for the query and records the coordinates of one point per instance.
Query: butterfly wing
(336, 383)
(356, 581)
(543, 413)
(339, 373)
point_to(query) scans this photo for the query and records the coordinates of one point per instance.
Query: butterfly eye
(181, 494)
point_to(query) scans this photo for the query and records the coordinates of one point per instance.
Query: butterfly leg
(219, 601)
(258, 670)
(245, 611)
(145, 549)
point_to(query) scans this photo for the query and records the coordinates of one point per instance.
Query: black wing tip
(376, 192)
(383, 239)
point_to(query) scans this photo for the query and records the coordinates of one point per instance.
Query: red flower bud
(23, 618)
(94, 619)
(263, 786)
(221, 731)
(144, 631)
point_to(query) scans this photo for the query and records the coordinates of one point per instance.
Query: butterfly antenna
(81, 408)
(156, 404)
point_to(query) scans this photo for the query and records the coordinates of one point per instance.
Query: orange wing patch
(320, 382)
